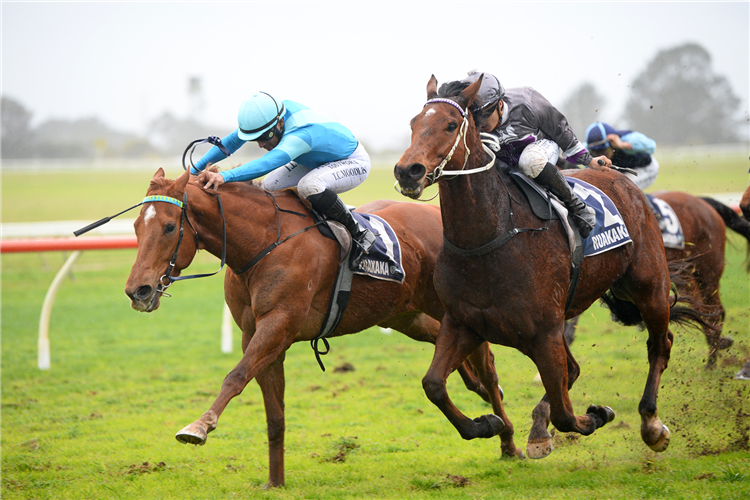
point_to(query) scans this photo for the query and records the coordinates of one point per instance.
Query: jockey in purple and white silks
(306, 150)
(529, 132)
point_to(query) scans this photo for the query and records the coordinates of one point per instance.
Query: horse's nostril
(143, 292)
(415, 171)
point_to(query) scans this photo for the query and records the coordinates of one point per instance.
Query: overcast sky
(365, 64)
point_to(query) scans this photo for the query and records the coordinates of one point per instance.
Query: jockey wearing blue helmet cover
(625, 148)
(319, 156)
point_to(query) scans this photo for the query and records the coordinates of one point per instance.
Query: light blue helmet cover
(258, 115)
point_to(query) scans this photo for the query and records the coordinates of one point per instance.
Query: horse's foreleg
(423, 328)
(273, 337)
(540, 440)
(454, 343)
(272, 385)
(483, 362)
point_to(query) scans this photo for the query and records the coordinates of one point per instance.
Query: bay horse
(504, 280)
(284, 297)
(704, 221)
(740, 225)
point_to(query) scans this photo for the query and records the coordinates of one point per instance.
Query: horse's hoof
(489, 425)
(724, 343)
(663, 442)
(610, 414)
(539, 448)
(502, 394)
(192, 434)
(604, 413)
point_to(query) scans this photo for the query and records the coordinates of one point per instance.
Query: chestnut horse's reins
(161, 287)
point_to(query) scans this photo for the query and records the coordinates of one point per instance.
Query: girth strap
(339, 299)
(488, 247)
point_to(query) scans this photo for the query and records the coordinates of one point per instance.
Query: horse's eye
(452, 126)
(169, 228)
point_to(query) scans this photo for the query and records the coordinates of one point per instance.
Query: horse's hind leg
(540, 440)
(272, 385)
(709, 291)
(550, 353)
(454, 343)
(655, 434)
(655, 311)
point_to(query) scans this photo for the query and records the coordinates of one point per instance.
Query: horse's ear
(432, 88)
(467, 95)
(159, 173)
(181, 181)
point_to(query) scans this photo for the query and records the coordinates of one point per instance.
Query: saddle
(541, 203)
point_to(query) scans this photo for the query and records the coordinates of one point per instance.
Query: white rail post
(226, 330)
(44, 355)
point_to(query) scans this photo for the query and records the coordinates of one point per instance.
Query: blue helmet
(596, 135)
(257, 115)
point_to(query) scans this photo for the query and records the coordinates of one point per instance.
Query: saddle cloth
(671, 229)
(384, 260)
(610, 231)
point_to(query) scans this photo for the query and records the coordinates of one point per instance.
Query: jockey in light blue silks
(626, 148)
(305, 149)
(529, 133)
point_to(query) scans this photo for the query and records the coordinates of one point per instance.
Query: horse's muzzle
(143, 298)
(410, 179)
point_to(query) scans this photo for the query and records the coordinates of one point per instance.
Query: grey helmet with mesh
(490, 92)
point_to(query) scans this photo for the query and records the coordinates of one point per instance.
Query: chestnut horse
(503, 280)
(285, 296)
(704, 222)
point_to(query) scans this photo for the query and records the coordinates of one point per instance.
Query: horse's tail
(685, 310)
(734, 222)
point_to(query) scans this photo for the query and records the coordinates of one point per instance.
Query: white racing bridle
(439, 170)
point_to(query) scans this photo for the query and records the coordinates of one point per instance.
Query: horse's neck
(474, 207)
(250, 219)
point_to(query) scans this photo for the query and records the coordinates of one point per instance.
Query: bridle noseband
(439, 171)
(161, 287)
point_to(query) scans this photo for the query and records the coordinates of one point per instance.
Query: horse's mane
(229, 187)
(452, 89)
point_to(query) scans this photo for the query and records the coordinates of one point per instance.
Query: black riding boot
(583, 215)
(331, 205)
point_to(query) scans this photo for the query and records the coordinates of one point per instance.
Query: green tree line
(677, 99)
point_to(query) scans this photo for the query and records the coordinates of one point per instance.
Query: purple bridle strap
(447, 101)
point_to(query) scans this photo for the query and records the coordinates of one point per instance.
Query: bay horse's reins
(439, 170)
(505, 237)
